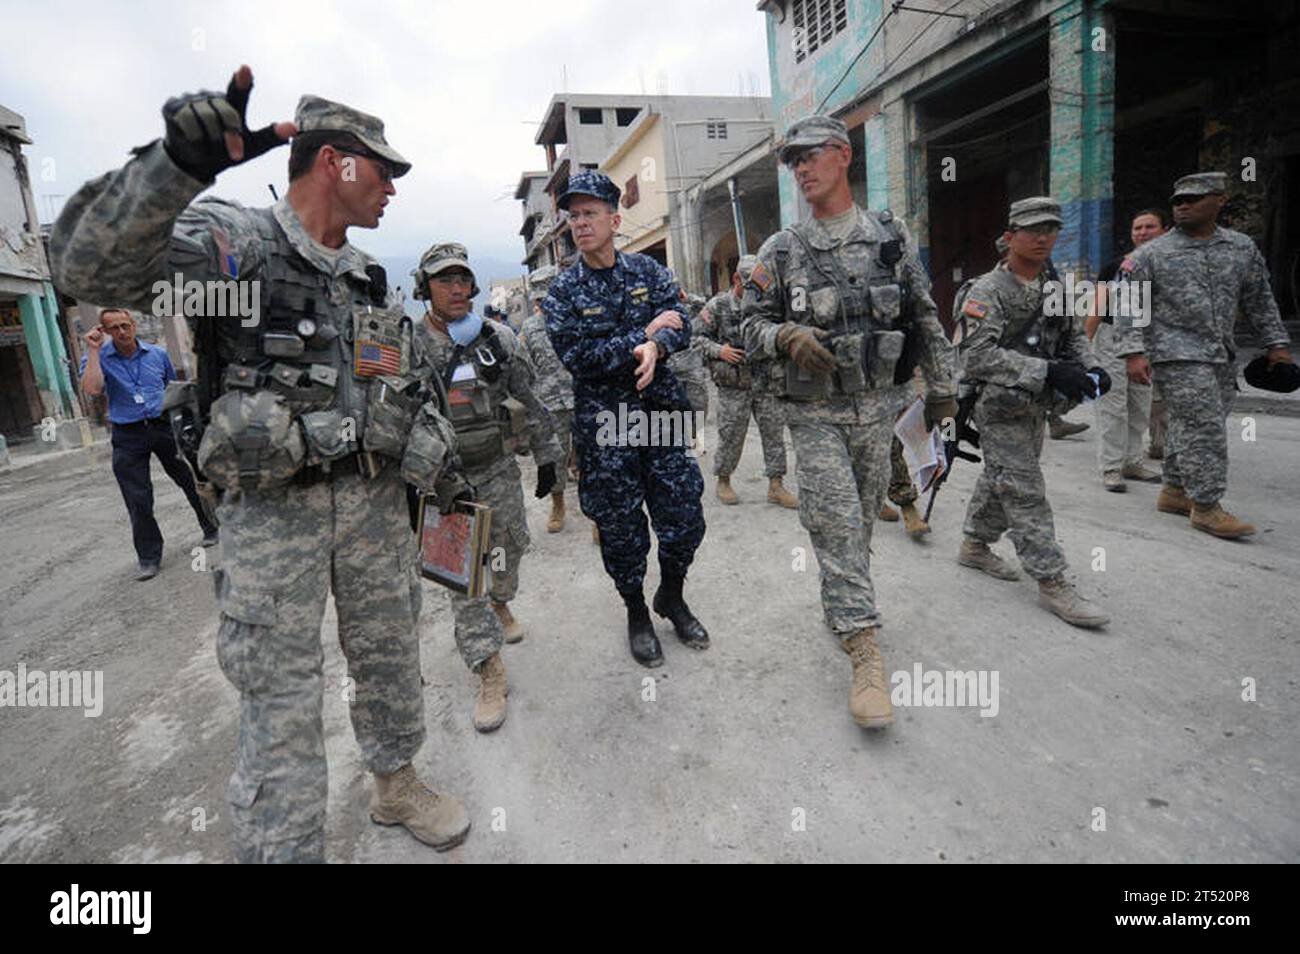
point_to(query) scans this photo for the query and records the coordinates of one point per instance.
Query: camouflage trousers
(901, 490)
(1123, 411)
(735, 407)
(841, 469)
(1010, 494)
(283, 552)
(563, 419)
(1198, 397)
(478, 630)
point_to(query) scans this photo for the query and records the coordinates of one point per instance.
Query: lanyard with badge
(130, 364)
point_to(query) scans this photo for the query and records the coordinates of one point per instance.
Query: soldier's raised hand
(207, 132)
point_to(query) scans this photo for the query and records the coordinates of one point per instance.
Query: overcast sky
(460, 86)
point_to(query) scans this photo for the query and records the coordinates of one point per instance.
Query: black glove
(1103, 380)
(1071, 380)
(196, 124)
(545, 480)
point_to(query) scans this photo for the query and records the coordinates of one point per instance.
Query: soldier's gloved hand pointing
(545, 480)
(206, 132)
(802, 344)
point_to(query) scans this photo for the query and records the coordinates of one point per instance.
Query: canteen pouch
(886, 349)
(801, 385)
(390, 413)
(252, 442)
(430, 447)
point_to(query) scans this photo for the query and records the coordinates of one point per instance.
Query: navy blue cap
(590, 182)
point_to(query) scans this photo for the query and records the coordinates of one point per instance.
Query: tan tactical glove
(801, 343)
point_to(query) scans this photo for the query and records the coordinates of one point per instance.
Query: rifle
(962, 431)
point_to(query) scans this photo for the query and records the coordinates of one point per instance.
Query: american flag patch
(375, 358)
(976, 309)
(760, 277)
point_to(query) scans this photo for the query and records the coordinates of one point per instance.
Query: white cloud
(460, 86)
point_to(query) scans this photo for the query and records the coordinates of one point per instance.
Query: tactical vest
(488, 422)
(867, 323)
(339, 371)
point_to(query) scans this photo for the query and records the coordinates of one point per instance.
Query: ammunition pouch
(329, 435)
(391, 407)
(480, 447)
(886, 349)
(513, 418)
(252, 441)
(430, 449)
(852, 354)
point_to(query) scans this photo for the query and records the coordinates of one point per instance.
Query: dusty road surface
(1132, 744)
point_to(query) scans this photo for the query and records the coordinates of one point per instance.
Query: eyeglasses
(1185, 199)
(385, 170)
(810, 154)
(455, 278)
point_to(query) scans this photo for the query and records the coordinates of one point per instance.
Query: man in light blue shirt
(134, 375)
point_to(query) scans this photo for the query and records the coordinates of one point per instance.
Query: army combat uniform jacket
(286, 545)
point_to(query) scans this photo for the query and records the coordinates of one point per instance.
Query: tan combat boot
(1064, 600)
(1113, 481)
(402, 799)
(1215, 520)
(1138, 472)
(514, 630)
(869, 697)
(913, 522)
(777, 494)
(1174, 500)
(1060, 429)
(976, 553)
(887, 514)
(490, 706)
(725, 493)
(556, 521)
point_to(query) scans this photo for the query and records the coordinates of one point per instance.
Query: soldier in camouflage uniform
(835, 300)
(1200, 275)
(743, 390)
(1023, 365)
(552, 384)
(308, 439)
(490, 390)
(612, 318)
(688, 364)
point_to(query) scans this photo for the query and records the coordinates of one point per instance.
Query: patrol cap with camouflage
(590, 182)
(539, 281)
(745, 266)
(1035, 210)
(322, 115)
(1200, 183)
(440, 257)
(812, 131)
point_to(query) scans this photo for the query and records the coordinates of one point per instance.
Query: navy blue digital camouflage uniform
(595, 317)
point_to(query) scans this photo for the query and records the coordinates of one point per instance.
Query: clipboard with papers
(454, 546)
